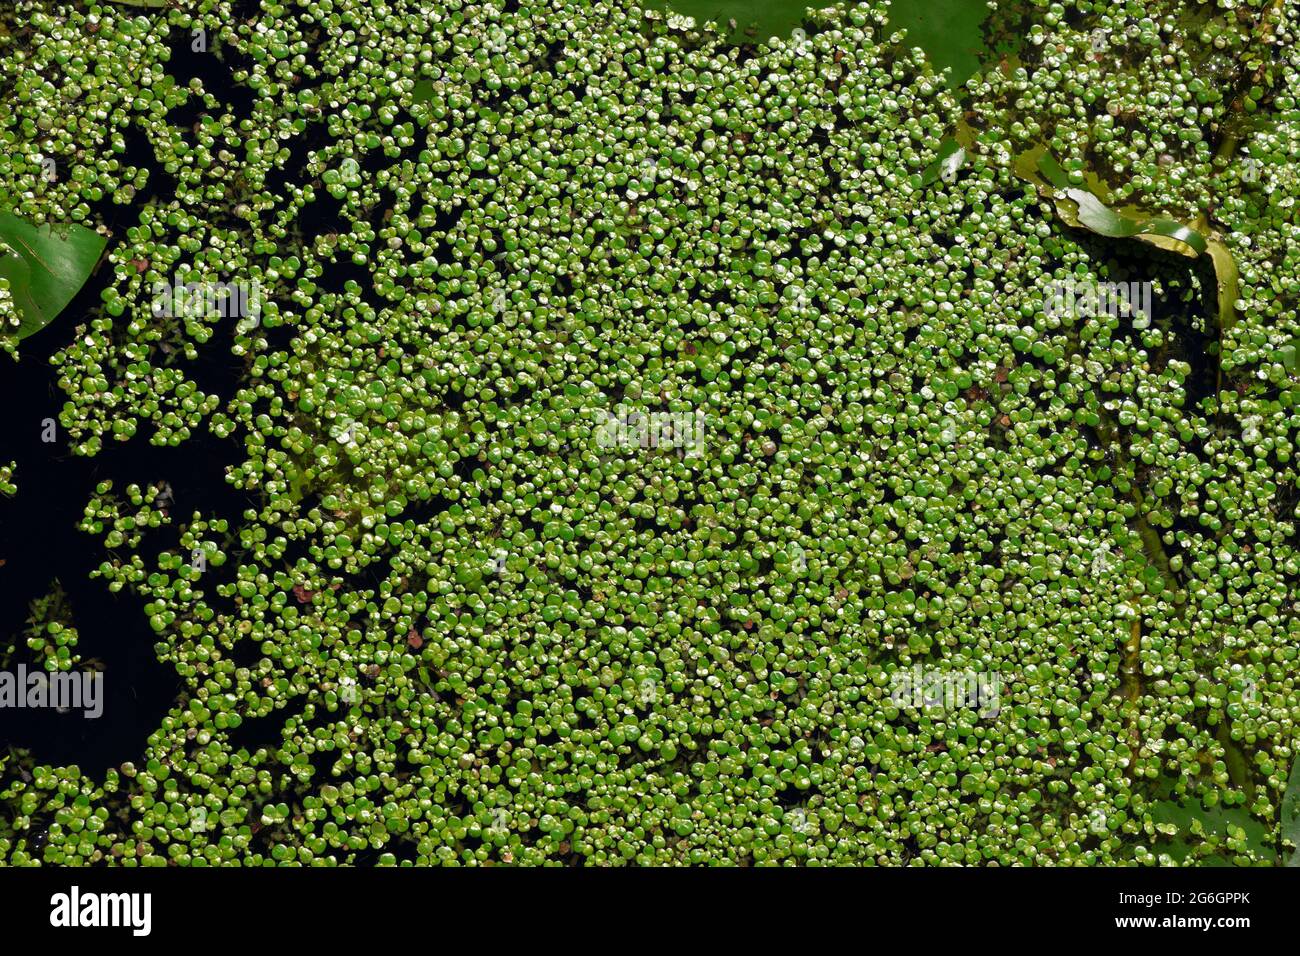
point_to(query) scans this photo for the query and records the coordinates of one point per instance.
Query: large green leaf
(46, 267)
(951, 157)
(948, 30)
(953, 153)
(1093, 214)
(754, 20)
(1051, 169)
(1195, 830)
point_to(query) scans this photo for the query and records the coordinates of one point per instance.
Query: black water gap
(42, 548)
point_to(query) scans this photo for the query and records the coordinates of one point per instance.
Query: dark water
(39, 541)
(40, 545)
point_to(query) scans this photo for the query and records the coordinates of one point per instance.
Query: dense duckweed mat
(554, 432)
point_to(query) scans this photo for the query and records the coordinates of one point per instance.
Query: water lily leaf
(1194, 825)
(142, 3)
(46, 267)
(948, 30)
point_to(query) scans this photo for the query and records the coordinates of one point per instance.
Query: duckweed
(456, 625)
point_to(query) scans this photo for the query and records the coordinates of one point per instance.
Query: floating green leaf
(1193, 829)
(953, 154)
(1287, 355)
(423, 92)
(1047, 165)
(753, 20)
(950, 159)
(46, 266)
(948, 30)
(1092, 214)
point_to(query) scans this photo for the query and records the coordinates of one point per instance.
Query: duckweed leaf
(46, 266)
